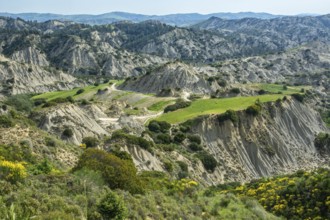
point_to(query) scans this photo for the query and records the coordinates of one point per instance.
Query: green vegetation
(322, 142)
(120, 136)
(117, 173)
(326, 117)
(159, 126)
(214, 106)
(90, 141)
(229, 115)
(208, 161)
(304, 195)
(158, 106)
(76, 93)
(21, 103)
(299, 97)
(178, 105)
(254, 109)
(67, 132)
(278, 88)
(112, 207)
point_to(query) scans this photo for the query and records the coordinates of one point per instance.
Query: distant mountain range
(171, 19)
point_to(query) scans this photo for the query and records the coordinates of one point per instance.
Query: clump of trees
(117, 173)
(178, 105)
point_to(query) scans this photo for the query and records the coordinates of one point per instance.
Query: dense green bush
(90, 141)
(235, 90)
(208, 161)
(178, 105)
(159, 126)
(117, 173)
(195, 139)
(80, 91)
(68, 133)
(21, 103)
(299, 97)
(163, 139)
(229, 115)
(322, 141)
(168, 166)
(179, 138)
(38, 102)
(112, 207)
(254, 110)
(195, 147)
(6, 122)
(303, 195)
(131, 140)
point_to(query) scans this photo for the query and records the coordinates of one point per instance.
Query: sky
(161, 7)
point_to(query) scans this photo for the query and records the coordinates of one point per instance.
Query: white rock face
(30, 55)
(281, 140)
(82, 121)
(19, 78)
(175, 76)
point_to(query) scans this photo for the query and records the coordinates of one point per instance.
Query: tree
(112, 207)
(90, 141)
(117, 173)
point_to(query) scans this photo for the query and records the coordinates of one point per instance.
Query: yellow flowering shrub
(12, 171)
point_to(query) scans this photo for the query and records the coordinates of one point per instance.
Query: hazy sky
(287, 7)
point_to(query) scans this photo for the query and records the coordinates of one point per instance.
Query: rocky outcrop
(172, 76)
(20, 78)
(83, 121)
(304, 65)
(31, 56)
(280, 140)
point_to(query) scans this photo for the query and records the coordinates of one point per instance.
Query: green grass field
(158, 106)
(63, 94)
(278, 88)
(214, 106)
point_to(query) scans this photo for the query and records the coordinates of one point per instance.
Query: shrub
(6, 122)
(262, 92)
(50, 142)
(228, 115)
(112, 207)
(49, 104)
(322, 141)
(70, 99)
(38, 102)
(195, 147)
(11, 171)
(235, 90)
(298, 97)
(178, 105)
(67, 133)
(80, 91)
(168, 166)
(21, 102)
(84, 102)
(44, 167)
(179, 137)
(208, 161)
(222, 83)
(154, 126)
(195, 139)
(90, 142)
(183, 166)
(132, 140)
(254, 110)
(116, 172)
(159, 126)
(163, 139)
